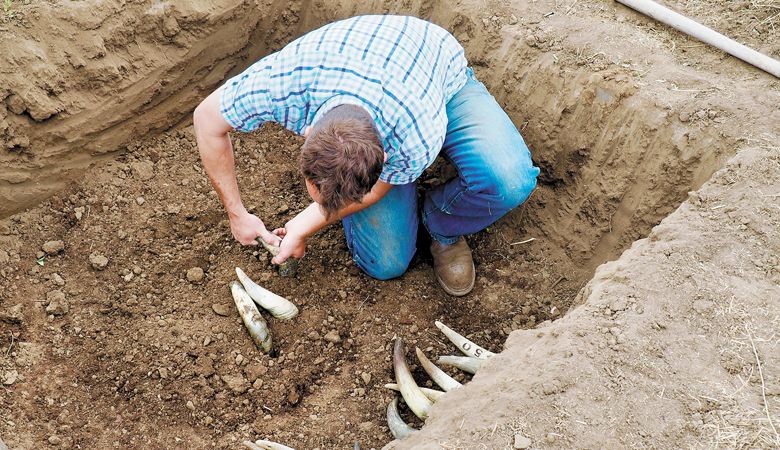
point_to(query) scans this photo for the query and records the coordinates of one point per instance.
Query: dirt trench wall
(667, 348)
(107, 73)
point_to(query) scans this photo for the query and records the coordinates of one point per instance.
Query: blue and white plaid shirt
(402, 70)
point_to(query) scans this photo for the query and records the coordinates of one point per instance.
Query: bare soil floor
(623, 116)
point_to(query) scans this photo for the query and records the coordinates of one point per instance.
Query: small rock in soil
(57, 279)
(255, 371)
(220, 309)
(190, 405)
(12, 315)
(236, 383)
(521, 441)
(55, 440)
(10, 377)
(333, 336)
(195, 275)
(170, 27)
(144, 170)
(57, 304)
(99, 262)
(53, 247)
(619, 305)
(550, 388)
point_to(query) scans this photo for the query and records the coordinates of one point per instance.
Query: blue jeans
(495, 175)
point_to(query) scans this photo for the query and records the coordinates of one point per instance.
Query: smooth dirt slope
(676, 344)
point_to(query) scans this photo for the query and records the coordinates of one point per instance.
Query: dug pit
(148, 356)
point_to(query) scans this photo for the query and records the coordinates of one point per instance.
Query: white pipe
(704, 34)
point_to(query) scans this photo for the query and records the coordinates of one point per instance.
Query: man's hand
(293, 245)
(312, 219)
(246, 227)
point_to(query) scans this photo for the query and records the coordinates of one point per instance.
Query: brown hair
(342, 157)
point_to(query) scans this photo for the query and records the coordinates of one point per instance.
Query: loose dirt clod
(98, 261)
(57, 303)
(53, 247)
(195, 275)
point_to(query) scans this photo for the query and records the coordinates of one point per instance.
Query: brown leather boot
(454, 267)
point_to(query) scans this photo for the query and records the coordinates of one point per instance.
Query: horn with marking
(467, 347)
(398, 427)
(464, 363)
(414, 397)
(254, 322)
(438, 376)
(278, 306)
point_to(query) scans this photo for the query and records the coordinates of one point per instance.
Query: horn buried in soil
(413, 396)
(255, 324)
(432, 394)
(438, 376)
(467, 347)
(398, 427)
(265, 445)
(464, 363)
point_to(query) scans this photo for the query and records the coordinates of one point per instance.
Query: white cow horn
(464, 345)
(432, 394)
(398, 427)
(414, 397)
(254, 322)
(278, 306)
(266, 445)
(464, 363)
(438, 376)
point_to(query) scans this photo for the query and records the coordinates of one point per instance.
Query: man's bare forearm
(313, 219)
(218, 161)
(216, 152)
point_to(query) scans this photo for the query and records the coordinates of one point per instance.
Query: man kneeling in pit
(377, 98)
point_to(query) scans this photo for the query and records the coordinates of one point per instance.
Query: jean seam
(351, 238)
(449, 204)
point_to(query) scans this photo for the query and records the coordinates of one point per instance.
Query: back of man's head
(342, 157)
